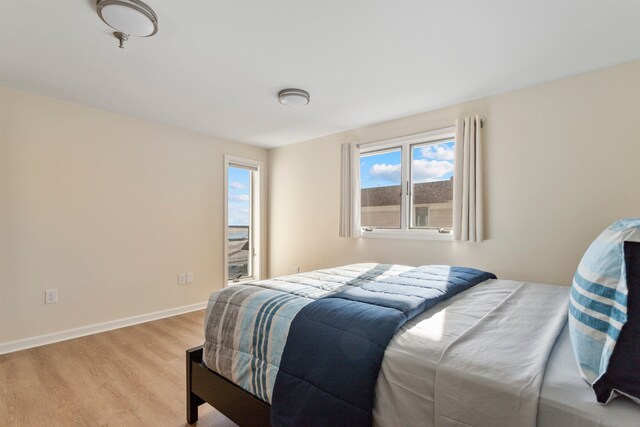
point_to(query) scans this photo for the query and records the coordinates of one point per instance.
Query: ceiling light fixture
(128, 18)
(293, 97)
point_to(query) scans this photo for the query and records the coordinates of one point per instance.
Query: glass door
(242, 220)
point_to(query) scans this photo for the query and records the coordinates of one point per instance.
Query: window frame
(406, 144)
(254, 220)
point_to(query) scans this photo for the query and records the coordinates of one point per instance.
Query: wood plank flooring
(133, 376)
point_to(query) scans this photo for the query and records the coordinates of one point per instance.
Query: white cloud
(430, 170)
(438, 152)
(237, 185)
(239, 198)
(387, 172)
(423, 171)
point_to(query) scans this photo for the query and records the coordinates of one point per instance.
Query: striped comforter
(246, 326)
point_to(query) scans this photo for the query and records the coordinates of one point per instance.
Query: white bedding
(566, 400)
(404, 391)
(491, 375)
(405, 387)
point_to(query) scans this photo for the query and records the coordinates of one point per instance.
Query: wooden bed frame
(206, 386)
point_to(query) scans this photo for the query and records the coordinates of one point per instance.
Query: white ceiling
(216, 66)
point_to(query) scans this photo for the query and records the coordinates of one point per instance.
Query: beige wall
(562, 161)
(106, 208)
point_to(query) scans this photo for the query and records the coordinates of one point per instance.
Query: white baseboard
(22, 344)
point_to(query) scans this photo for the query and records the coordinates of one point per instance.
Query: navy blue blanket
(335, 345)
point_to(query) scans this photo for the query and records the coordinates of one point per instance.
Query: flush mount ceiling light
(128, 18)
(293, 97)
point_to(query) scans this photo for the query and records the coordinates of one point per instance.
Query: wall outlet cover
(51, 296)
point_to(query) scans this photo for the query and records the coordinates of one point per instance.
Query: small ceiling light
(128, 18)
(293, 97)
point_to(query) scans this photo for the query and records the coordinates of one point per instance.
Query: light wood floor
(133, 376)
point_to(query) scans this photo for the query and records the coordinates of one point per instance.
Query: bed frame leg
(193, 401)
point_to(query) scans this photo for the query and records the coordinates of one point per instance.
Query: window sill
(407, 235)
(240, 282)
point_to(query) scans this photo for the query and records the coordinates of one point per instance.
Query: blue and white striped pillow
(598, 305)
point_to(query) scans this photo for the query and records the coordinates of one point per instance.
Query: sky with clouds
(239, 187)
(430, 163)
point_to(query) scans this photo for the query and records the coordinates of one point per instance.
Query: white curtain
(467, 181)
(350, 191)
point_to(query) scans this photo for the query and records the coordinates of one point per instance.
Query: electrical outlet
(51, 296)
(189, 278)
(182, 279)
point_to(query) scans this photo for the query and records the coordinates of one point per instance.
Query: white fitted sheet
(566, 400)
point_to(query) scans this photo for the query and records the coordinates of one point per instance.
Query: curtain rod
(482, 121)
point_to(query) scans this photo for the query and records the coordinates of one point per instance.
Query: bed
(453, 364)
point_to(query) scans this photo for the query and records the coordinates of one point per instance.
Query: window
(242, 219)
(381, 193)
(406, 186)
